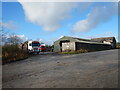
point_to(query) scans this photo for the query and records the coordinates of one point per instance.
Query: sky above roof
(49, 21)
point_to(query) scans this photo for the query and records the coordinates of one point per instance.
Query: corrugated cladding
(58, 43)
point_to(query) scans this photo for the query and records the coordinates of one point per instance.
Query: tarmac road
(87, 70)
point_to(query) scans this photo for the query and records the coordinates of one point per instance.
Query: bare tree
(14, 39)
(3, 36)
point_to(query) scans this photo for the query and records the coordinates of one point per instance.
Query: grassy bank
(79, 51)
(12, 53)
(75, 52)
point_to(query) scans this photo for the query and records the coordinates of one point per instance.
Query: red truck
(42, 48)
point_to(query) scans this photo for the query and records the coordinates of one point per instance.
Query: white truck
(32, 46)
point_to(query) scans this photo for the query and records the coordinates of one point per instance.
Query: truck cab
(33, 46)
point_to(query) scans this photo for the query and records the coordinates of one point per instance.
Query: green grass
(12, 53)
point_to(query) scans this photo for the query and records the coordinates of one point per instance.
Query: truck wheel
(38, 52)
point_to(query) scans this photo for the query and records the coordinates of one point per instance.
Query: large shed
(74, 43)
(107, 40)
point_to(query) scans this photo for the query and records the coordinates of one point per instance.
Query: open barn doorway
(63, 41)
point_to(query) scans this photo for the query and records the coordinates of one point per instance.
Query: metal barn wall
(92, 47)
(78, 45)
(110, 40)
(57, 47)
(68, 46)
(73, 46)
(114, 43)
(85, 46)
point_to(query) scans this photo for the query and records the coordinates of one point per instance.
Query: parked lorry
(31, 46)
(42, 48)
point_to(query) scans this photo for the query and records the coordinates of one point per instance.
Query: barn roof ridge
(83, 40)
(76, 38)
(86, 40)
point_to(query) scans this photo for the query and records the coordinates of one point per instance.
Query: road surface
(87, 70)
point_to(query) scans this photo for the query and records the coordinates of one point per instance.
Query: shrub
(118, 45)
(12, 53)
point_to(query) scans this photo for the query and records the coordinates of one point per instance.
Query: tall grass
(12, 53)
(75, 52)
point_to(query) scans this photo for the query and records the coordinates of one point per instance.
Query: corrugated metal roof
(85, 40)
(103, 38)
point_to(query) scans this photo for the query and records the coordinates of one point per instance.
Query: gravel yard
(87, 70)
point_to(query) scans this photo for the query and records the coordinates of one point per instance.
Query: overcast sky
(50, 21)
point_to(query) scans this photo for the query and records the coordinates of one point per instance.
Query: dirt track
(94, 70)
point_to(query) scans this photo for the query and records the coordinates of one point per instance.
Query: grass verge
(75, 52)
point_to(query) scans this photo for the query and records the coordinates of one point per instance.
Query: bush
(12, 53)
